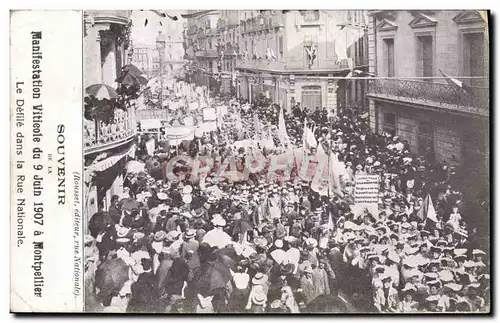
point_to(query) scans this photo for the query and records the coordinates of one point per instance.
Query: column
(109, 66)
(92, 48)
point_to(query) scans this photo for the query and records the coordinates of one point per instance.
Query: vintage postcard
(250, 161)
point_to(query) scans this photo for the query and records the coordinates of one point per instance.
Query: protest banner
(366, 190)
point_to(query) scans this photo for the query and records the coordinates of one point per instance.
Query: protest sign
(366, 190)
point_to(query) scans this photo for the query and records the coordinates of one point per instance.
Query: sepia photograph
(286, 161)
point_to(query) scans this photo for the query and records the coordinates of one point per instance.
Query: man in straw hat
(386, 298)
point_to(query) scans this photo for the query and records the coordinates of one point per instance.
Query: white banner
(149, 124)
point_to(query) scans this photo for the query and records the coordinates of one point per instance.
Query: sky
(145, 36)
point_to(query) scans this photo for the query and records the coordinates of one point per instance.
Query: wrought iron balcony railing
(439, 95)
(98, 136)
(228, 48)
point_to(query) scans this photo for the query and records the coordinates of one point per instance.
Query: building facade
(300, 56)
(291, 56)
(147, 59)
(201, 39)
(415, 102)
(105, 145)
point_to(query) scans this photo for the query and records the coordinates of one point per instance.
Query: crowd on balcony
(269, 245)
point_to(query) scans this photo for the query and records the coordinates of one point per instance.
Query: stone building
(415, 102)
(145, 53)
(200, 39)
(277, 47)
(289, 55)
(105, 145)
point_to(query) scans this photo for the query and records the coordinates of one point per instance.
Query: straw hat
(287, 269)
(121, 231)
(160, 235)
(188, 189)
(431, 276)
(392, 256)
(259, 297)
(409, 287)
(478, 252)
(311, 242)
(190, 234)
(454, 287)
(187, 198)
(259, 279)
(162, 196)
(446, 276)
(172, 235)
(260, 242)
(218, 222)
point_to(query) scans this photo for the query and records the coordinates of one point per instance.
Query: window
(425, 57)
(426, 140)
(361, 51)
(474, 58)
(389, 124)
(311, 97)
(281, 45)
(389, 56)
(209, 44)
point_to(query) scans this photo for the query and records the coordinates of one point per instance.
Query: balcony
(229, 49)
(264, 23)
(119, 17)
(208, 53)
(433, 95)
(110, 136)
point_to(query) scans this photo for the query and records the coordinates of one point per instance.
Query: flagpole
(329, 153)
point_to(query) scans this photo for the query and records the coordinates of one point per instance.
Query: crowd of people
(264, 245)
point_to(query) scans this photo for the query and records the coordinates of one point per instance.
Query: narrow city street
(287, 161)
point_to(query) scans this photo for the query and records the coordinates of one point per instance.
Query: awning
(109, 162)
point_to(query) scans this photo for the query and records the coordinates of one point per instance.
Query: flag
(304, 142)
(282, 134)
(344, 40)
(257, 126)
(308, 140)
(333, 176)
(320, 151)
(330, 224)
(427, 210)
(457, 84)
